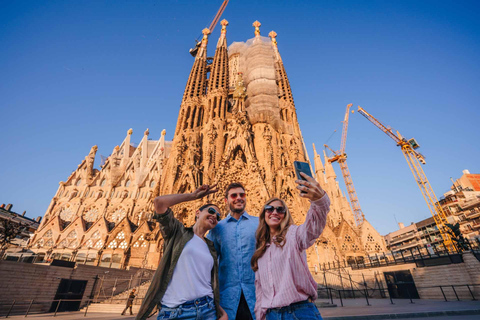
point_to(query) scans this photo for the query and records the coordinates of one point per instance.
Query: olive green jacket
(175, 237)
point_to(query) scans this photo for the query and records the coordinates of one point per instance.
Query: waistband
(291, 306)
(192, 303)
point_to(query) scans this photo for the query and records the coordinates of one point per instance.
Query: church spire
(219, 73)
(195, 88)
(257, 25)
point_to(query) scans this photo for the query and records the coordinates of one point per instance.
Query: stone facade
(237, 122)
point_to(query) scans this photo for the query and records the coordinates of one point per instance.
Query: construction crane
(414, 159)
(341, 157)
(193, 51)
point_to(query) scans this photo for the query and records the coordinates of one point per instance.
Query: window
(89, 243)
(48, 234)
(106, 259)
(99, 244)
(63, 244)
(66, 213)
(113, 244)
(152, 184)
(127, 184)
(72, 235)
(49, 243)
(116, 259)
(123, 245)
(120, 235)
(79, 181)
(102, 183)
(96, 235)
(81, 258)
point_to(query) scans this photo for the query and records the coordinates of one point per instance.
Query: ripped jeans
(198, 309)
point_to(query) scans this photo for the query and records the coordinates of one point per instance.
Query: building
(237, 122)
(468, 181)
(31, 225)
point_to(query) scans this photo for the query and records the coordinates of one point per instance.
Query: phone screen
(302, 167)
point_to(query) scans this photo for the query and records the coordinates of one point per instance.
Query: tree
(9, 231)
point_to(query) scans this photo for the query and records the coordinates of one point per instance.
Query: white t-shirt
(192, 277)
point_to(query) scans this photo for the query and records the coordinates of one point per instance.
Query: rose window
(91, 215)
(66, 214)
(117, 215)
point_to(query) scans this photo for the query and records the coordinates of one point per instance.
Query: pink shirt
(283, 277)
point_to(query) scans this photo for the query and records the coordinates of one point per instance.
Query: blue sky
(78, 73)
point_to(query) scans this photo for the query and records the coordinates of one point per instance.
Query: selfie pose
(284, 287)
(185, 285)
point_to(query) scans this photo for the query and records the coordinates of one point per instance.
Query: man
(130, 299)
(234, 239)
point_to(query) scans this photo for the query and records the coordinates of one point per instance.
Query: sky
(74, 74)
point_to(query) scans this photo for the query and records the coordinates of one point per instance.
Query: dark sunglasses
(213, 211)
(270, 209)
(235, 195)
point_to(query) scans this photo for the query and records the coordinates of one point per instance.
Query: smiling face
(236, 200)
(273, 218)
(206, 219)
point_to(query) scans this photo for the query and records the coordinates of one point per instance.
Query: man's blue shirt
(235, 244)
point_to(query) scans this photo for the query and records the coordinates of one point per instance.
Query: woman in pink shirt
(284, 287)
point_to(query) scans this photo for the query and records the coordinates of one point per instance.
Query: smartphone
(302, 167)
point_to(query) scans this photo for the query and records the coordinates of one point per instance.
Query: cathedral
(237, 123)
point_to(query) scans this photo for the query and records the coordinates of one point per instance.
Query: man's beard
(237, 210)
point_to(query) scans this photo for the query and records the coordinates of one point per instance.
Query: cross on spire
(273, 36)
(224, 24)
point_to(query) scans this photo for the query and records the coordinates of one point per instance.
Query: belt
(192, 303)
(291, 306)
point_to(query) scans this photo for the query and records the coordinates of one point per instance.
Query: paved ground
(353, 309)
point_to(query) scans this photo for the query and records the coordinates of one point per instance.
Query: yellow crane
(341, 157)
(414, 159)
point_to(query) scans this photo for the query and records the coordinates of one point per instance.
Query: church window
(144, 244)
(344, 247)
(79, 181)
(127, 184)
(368, 248)
(72, 235)
(116, 259)
(141, 238)
(370, 238)
(136, 244)
(99, 244)
(113, 244)
(48, 234)
(49, 243)
(73, 244)
(102, 183)
(96, 235)
(66, 214)
(152, 184)
(91, 215)
(355, 247)
(377, 247)
(40, 243)
(89, 243)
(123, 245)
(106, 260)
(348, 238)
(63, 244)
(116, 215)
(120, 235)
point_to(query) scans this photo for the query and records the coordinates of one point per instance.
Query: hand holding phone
(308, 186)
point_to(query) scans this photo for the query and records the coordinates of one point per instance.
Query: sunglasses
(214, 212)
(270, 209)
(236, 195)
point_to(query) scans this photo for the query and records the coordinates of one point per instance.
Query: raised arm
(162, 204)
(316, 219)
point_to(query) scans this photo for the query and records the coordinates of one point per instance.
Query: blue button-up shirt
(235, 244)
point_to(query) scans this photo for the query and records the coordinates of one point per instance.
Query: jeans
(198, 309)
(303, 310)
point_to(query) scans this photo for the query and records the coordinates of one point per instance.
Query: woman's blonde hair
(262, 236)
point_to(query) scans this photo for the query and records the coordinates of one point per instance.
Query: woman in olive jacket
(185, 284)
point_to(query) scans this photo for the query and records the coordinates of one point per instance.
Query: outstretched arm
(162, 203)
(316, 218)
(163, 213)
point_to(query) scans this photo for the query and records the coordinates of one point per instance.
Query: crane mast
(341, 157)
(414, 159)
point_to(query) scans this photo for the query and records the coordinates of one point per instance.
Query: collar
(244, 215)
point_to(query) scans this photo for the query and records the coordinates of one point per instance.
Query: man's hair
(233, 186)
(205, 206)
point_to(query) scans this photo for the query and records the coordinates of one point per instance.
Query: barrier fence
(448, 292)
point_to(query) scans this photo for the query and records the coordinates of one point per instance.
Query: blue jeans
(198, 309)
(303, 310)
